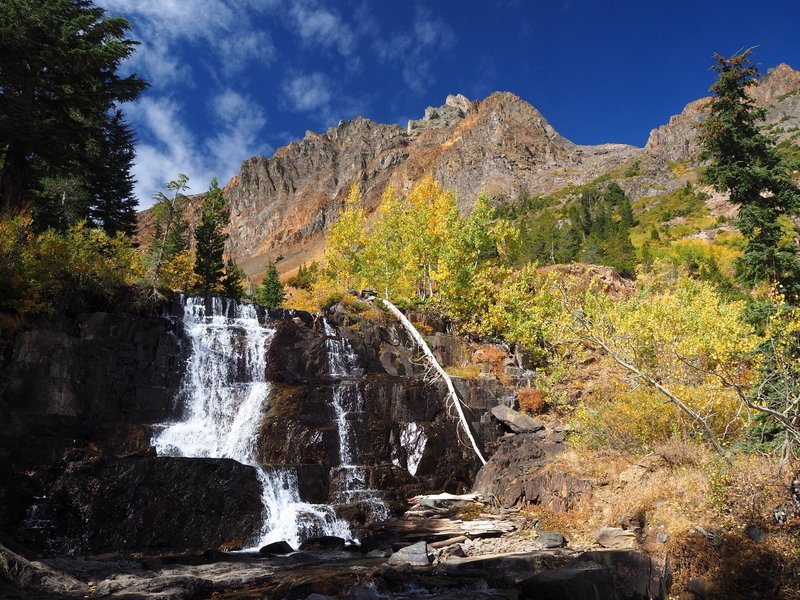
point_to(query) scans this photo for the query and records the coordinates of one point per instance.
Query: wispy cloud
(168, 151)
(321, 98)
(241, 119)
(171, 148)
(321, 26)
(308, 92)
(164, 26)
(223, 34)
(412, 49)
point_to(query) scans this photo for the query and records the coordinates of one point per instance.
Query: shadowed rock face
(82, 397)
(158, 503)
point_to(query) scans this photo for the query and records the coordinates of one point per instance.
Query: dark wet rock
(415, 555)
(280, 547)
(324, 542)
(362, 592)
(108, 504)
(114, 367)
(516, 421)
(519, 473)
(306, 362)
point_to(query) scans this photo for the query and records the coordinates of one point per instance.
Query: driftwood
(454, 399)
(435, 499)
(448, 542)
(442, 529)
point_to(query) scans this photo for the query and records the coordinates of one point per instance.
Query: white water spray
(224, 393)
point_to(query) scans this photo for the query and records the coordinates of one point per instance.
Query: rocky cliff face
(82, 397)
(778, 92)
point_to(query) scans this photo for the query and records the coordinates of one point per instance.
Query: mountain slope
(281, 206)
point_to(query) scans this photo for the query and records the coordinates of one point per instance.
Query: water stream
(223, 394)
(350, 480)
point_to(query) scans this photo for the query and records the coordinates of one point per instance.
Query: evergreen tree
(270, 293)
(114, 204)
(210, 237)
(745, 162)
(58, 82)
(232, 281)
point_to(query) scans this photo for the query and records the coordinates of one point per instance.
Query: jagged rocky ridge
(282, 205)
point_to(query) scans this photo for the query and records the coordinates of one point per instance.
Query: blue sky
(235, 78)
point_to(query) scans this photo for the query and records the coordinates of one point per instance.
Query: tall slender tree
(114, 203)
(171, 229)
(210, 237)
(58, 82)
(744, 162)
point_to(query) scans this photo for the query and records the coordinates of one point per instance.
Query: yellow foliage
(178, 272)
(344, 246)
(681, 333)
(39, 270)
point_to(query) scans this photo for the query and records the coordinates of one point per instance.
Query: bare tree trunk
(412, 331)
(12, 180)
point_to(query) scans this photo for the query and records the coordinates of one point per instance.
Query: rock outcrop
(778, 92)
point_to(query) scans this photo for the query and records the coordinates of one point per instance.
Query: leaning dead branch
(451, 391)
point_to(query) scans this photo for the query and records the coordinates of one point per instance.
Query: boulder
(280, 547)
(516, 421)
(415, 555)
(519, 472)
(615, 538)
(324, 542)
(550, 539)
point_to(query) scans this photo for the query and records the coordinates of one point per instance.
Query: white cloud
(308, 92)
(167, 151)
(165, 27)
(241, 121)
(319, 26)
(223, 33)
(170, 148)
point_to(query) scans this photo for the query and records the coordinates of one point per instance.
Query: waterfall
(224, 393)
(349, 481)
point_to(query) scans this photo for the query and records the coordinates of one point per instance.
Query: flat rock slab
(615, 538)
(516, 421)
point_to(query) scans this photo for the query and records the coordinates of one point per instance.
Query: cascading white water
(224, 392)
(349, 481)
